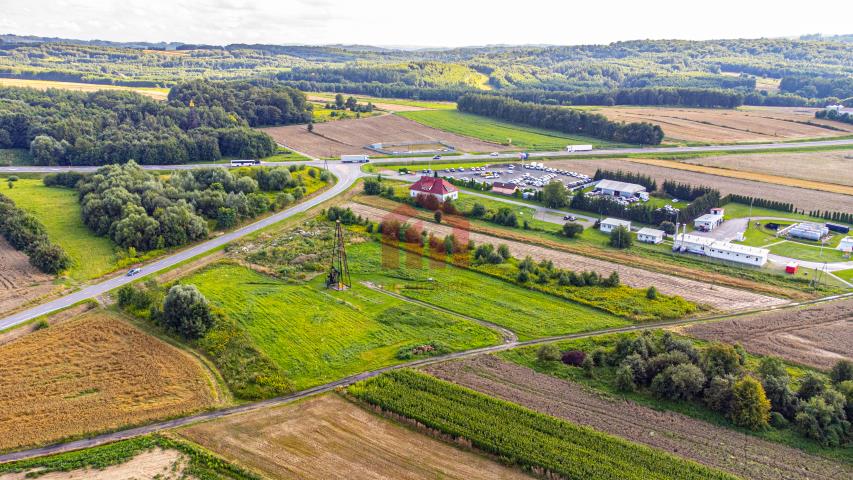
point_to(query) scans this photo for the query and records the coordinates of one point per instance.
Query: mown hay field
(329, 437)
(829, 166)
(20, 282)
(90, 374)
(155, 93)
(746, 124)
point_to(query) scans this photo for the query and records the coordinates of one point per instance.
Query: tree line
(561, 119)
(845, 217)
(203, 122)
(24, 232)
(144, 212)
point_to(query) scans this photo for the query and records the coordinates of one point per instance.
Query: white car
(493, 154)
(133, 271)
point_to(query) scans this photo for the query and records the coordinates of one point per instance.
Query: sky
(438, 23)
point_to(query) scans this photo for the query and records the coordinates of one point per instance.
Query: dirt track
(331, 139)
(20, 282)
(817, 336)
(719, 297)
(802, 198)
(718, 447)
(751, 124)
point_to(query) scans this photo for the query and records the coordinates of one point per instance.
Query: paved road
(347, 174)
(467, 157)
(201, 417)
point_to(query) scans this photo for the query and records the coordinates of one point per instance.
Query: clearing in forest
(153, 92)
(325, 436)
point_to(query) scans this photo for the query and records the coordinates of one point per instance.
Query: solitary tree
(437, 216)
(339, 101)
(620, 237)
(186, 311)
(572, 229)
(555, 195)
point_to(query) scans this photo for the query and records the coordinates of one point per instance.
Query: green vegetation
(806, 252)
(622, 370)
(59, 211)
(315, 335)
(15, 156)
(500, 132)
(202, 464)
(528, 439)
(285, 155)
(844, 274)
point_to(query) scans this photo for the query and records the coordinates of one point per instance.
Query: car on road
(493, 154)
(570, 218)
(133, 271)
(437, 157)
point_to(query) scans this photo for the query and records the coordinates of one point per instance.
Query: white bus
(244, 162)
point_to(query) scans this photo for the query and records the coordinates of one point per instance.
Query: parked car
(133, 271)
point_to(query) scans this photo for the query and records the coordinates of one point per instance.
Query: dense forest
(561, 119)
(202, 122)
(813, 70)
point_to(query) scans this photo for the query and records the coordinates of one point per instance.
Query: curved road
(346, 175)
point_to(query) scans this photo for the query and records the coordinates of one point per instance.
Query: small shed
(846, 244)
(608, 224)
(650, 235)
(792, 267)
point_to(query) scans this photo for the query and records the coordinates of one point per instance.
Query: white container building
(608, 224)
(719, 249)
(650, 235)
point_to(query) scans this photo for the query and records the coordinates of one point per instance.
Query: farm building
(608, 224)
(650, 235)
(719, 249)
(846, 244)
(708, 222)
(808, 231)
(504, 188)
(437, 187)
(618, 189)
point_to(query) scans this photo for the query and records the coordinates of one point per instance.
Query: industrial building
(618, 189)
(437, 187)
(846, 244)
(720, 249)
(608, 224)
(650, 235)
(807, 230)
(708, 222)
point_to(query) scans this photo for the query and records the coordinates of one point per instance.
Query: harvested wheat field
(331, 139)
(817, 336)
(751, 124)
(156, 464)
(715, 296)
(803, 198)
(728, 450)
(90, 374)
(831, 166)
(330, 437)
(388, 107)
(20, 282)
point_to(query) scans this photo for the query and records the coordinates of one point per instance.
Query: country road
(345, 174)
(343, 382)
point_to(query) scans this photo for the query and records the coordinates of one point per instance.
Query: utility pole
(339, 277)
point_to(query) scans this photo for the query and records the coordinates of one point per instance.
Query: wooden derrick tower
(338, 278)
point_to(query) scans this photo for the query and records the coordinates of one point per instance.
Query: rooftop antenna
(339, 278)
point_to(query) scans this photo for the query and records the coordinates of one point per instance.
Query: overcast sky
(446, 23)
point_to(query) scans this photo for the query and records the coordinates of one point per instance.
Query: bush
(477, 210)
(652, 293)
(823, 418)
(620, 237)
(841, 371)
(777, 420)
(186, 311)
(625, 379)
(372, 186)
(437, 216)
(667, 227)
(572, 229)
(503, 251)
(719, 395)
(750, 407)
(40, 325)
(720, 359)
(679, 382)
(574, 357)
(810, 386)
(548, 353)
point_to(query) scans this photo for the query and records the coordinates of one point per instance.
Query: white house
(708, 222)
(437, 187)
(608, 224)
(618, 189)
(846, 244)
(650, 235)
(719, 249)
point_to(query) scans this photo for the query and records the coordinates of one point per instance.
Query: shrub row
(28, 235)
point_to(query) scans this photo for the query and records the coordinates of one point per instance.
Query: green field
(317, 335)
(844, 274)
(603, 380)
(391, 101)
(519, 436)
(526, 138)
(528, 313)
(57, 208)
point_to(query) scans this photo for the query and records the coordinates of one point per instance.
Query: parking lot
(532, 176)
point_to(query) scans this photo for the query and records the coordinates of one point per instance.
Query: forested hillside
(202, 122)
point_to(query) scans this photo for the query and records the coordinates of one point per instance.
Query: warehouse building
(719, 249)
(619, 189)
(650, 235)
(808, 231)
(609, 224)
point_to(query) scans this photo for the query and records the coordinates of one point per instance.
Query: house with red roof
(436, 187)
